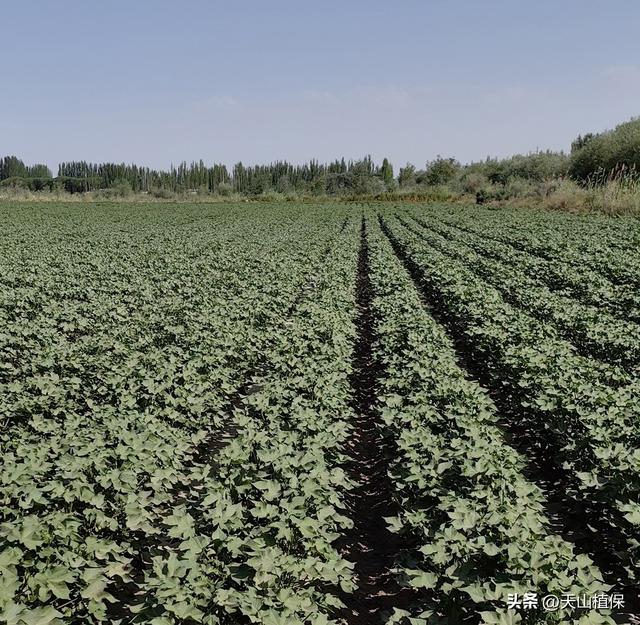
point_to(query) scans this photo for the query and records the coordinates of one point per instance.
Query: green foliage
(476, 522)
(605, 153)
(224, 189)
(15, 182)
(590, 405)
(39, 171)
(32, 184)
(581, 141)
(440, 171)
(162, 193)
(595, 160)
(520, 278)
(535, 167)
(386, 174)
(13, 167)
(113, 407)
(120, 188)
(176, 406)
(406, 176)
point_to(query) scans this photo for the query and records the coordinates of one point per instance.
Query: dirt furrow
(369, 545)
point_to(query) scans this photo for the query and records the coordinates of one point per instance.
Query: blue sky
(157, 82)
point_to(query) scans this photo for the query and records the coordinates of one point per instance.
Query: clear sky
(156, 81)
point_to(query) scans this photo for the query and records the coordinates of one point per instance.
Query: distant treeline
(361, 176)
(592, 157)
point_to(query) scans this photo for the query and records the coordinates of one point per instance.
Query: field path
(369, 545)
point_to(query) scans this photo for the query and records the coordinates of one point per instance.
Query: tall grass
(611, 193)
(615, 192)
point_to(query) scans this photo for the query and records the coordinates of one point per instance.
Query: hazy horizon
(155, 85)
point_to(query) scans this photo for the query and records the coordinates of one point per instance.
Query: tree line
(593, 157)
(340, 176)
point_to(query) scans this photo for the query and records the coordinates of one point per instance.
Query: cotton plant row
(477, 522)
(582, 284)
(607, 247)
(593, 331)
(597, 423)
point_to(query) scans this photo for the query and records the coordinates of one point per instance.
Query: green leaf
(41, 616)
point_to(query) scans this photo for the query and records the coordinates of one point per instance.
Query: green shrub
(119, 188)
(224, 188)
(602, 155)
(439, 171)
(162, 193)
